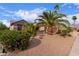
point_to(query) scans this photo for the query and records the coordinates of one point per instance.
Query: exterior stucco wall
(15, 25)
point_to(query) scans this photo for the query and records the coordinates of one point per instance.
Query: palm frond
(64, 21)
(62, 25)
(57, 16)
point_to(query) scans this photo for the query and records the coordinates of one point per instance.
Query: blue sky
(31, 11)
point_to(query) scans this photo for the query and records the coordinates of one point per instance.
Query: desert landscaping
(47, 46)
(50, 45)
(49, 35)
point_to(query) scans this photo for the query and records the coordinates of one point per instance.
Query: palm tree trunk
(57, 30)
(50, 30)
(74, 25)
(45, 29)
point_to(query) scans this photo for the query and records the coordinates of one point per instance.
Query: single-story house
(17, 25)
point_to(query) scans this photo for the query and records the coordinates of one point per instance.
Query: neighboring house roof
(17, 21)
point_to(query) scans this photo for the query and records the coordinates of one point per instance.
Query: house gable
(17, 25)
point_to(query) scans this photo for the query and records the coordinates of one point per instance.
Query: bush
(0, 33)
(69, 29)
(3, 27)
(65, 33)
(12, 40)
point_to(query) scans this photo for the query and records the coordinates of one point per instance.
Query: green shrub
(69, 29)
(3, 27)
(64, 33)
(12, 40)
(0, 33)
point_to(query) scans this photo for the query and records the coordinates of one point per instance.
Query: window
(19, 27)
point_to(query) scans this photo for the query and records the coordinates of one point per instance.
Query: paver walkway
(75, 47)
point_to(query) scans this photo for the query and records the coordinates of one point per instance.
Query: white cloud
(26, 15)
(66, 4)
(69, 6)
(30, 15)
(1, 7)
(76, 4)
(6, 15)
(9, 11)
(6, 10)
(63, 5)
(38, 10)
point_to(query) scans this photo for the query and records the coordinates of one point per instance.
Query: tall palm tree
(56, 8)
(74, 18)
(53, 20)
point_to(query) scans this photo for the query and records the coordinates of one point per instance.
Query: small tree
(2, 26)
(74, 18)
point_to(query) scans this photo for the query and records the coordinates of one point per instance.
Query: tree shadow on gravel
(33, 43)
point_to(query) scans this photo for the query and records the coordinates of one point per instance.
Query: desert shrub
(12, 40)
(65, 33)
(0, 33)
(69, 29)
(58, 32)
(3, 27)
(78, 30)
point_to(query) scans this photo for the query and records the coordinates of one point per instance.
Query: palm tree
(56, 8)
(74, 18)
(53, 20)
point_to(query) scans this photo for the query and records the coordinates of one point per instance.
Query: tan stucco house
(17, 25)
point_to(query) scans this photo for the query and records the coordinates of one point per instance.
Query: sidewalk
(75, 47)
